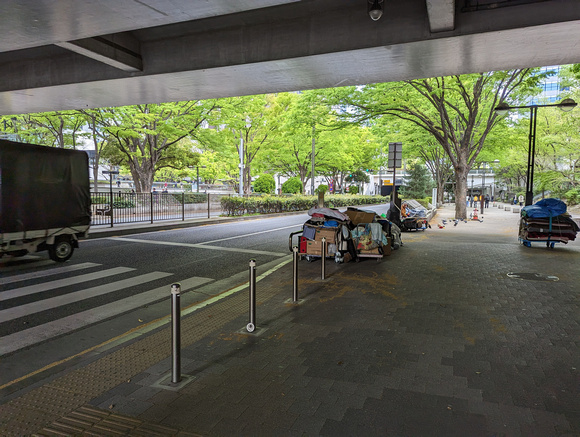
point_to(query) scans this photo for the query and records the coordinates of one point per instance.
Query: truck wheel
(61, 250)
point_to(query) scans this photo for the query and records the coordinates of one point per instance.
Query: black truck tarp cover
(42, 187)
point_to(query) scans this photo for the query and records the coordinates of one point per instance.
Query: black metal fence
(124, 207)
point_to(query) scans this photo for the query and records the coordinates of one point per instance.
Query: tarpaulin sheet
(42, 187)
(545, 208)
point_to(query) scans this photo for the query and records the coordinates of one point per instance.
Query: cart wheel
(308, 258)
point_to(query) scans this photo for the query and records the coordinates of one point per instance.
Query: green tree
(457, 111)
(292, 186)
(265, 183)
(419, 184)
(150, 137)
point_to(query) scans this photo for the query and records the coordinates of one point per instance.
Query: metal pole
(531, 156)
(313, 153)
(176, 333)
(111, 196)
(241, 165)
(151, 196)
(182, 206)
(197, 167)
(252, 325)
(208, 214)
(323, 273)
(295, 275)
(483, 188)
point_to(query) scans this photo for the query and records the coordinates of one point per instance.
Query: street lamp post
(503, 108)
(483, 188)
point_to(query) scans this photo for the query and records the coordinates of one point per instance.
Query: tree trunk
(461, 192)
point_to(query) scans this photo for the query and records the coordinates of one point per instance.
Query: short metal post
(176, 333)
(295, 276)
(252, 325)
(323, 258)
(182, 206)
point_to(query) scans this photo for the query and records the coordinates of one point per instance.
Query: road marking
(145, 329)
(65, 299)
(197, 246)
(44, 273)
(247, 235)
(64, 325)
(38, 288)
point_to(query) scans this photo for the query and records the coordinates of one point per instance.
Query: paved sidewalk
(434, 340)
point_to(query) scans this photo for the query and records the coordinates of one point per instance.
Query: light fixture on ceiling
(375, 8)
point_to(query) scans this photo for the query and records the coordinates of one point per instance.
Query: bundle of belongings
(547, 220)
(348, 235)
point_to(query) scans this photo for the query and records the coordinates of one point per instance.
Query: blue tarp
(545, 208)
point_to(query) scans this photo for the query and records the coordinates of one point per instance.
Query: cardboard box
(357, 216)
(314, 247)
(328, 233)
(387, 248)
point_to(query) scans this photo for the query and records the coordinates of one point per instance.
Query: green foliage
(265, 184)
(95, 200)
(353, 189)
(237, 206)
(419, 183)
(573, 196)
(321, 189)
(292, 186)
(122, 203)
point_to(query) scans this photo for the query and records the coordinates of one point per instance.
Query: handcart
(546, 222)
(325, 224)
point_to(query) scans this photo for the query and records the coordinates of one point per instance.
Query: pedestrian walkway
(441, 338)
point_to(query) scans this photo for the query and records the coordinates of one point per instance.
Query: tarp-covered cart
(546, 222)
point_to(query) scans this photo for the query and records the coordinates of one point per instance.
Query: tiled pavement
(434, 340)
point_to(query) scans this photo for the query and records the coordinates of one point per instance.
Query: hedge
(237, 206)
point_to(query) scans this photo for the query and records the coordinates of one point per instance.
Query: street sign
(395, 155)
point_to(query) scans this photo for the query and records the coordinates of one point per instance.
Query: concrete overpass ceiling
(100, 53)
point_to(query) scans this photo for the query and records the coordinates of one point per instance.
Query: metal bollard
(176, 333)
(295, 276)
(323, 258)
(252, 325)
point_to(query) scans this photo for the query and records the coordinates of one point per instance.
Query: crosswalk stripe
(54, 302)
(32, 289)
(45, 273)
(28, 337)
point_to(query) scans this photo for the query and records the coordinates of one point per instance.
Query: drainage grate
(533, 277)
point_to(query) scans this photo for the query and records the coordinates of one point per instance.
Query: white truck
(45, 201)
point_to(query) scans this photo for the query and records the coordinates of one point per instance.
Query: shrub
(292, 186)
(123, 203)
(236, 206)
(265, 184)
(353, 189)
(321, 189)
(99, 199)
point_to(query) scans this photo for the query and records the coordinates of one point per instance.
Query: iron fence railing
(124, 207)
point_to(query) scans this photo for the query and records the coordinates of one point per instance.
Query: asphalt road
(50, 312)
